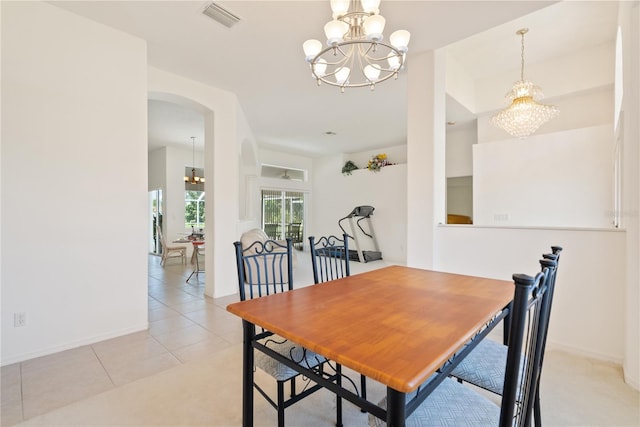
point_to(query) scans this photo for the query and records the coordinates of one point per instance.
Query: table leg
(196, 271)
(506, 324)
(249, 332)
(395, 408)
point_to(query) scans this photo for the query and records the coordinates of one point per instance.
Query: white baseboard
(631, 382)
(74, 344)
(576, 351)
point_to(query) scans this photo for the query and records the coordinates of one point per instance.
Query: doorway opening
(283, 215)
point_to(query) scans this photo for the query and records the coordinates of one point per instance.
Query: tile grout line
(192, 291)
(166, 349)
(102, 364)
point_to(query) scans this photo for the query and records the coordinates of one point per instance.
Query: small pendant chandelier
(193, 179)
(356, 55)
(525, 114)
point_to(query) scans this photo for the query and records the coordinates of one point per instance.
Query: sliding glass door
(155, 219)
(283, 214)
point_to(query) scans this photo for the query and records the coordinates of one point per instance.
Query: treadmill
(355, 217)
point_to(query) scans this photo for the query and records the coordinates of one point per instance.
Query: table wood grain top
(396, 325)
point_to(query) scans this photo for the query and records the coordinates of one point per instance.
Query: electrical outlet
(501, 217)
(19, 320)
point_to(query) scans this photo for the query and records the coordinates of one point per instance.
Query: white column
(426, 182)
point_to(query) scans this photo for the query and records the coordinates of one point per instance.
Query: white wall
(396, 154)
(286, 160)
(587, 316)
(77, 188)
(335, 195)
(629, 22)
(459, 84)
(247, 185)
(558, 77)
(459, 157)
(563, 179)
(248, 175)
(157, 165)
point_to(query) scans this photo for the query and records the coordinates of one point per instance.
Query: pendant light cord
(193, 151)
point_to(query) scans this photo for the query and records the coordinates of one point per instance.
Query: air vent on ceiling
(220, 14)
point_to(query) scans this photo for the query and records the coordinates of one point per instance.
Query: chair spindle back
(329, 258)
(264, 268)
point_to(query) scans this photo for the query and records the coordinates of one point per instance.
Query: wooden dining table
(396, 325)
(197, 244)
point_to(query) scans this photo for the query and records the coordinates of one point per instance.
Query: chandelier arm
(365, 52)
(365, 84)
(376, 61)
(339, 62)
(393, 52)
(354, 14)
(391, 72)
(338, 47)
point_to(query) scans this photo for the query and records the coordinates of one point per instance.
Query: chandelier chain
(522, 55)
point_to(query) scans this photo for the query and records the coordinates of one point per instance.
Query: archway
(174, 126)
(225, 126)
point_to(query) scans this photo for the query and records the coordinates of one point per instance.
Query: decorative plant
(377, 162)
(348, 167)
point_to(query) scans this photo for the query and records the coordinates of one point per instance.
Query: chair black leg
(338, 398)
(280, 403)
(293, 386)
(537, 415)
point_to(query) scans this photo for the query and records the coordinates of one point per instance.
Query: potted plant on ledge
(348, 167)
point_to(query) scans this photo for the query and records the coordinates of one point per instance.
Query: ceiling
(261, 60)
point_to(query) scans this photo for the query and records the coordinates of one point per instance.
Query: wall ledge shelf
(537, 227)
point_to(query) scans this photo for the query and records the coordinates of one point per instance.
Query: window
(194, 213)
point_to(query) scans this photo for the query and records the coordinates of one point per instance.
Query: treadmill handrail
(364, 211)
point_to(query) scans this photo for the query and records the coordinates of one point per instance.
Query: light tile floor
(184, 326)
(186, 329)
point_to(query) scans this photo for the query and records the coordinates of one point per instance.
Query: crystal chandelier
(193, 179)
(525, 115)
(356, 56)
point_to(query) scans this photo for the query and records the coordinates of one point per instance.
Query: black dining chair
(330, 261)
(265, 268)
(485, 365)
(454, 404)
(329, 258)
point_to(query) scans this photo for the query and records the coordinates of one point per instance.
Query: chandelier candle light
(193, 179)
(525, 115)
(356, 55)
